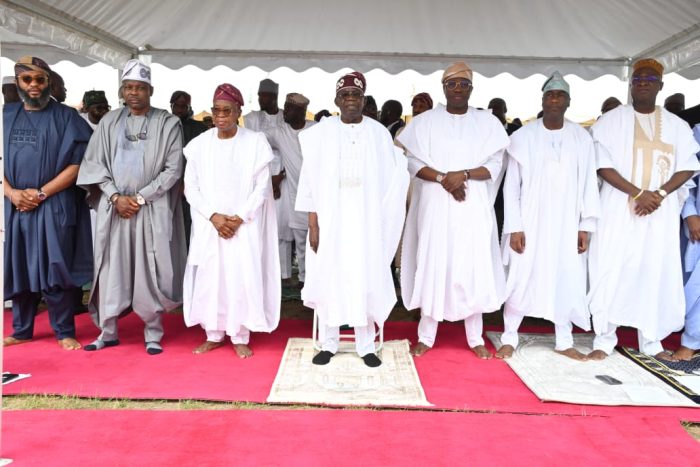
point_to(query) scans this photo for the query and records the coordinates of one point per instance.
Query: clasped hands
(25, 200)
(454, 183)
(226, 225)
(647, 202)
(126, 206)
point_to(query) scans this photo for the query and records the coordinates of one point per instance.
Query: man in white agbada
(232, 284)
(353, 185)
(267, 118)
(284, 140)
(450, 265)
(551, 205)
(645, 155)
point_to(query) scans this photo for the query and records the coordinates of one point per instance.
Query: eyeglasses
(651, 79)
(27, 79)
(136, 137)
(225, 112)
(350, 94)
(463, 83)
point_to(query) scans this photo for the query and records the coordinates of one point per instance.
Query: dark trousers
(61, 304)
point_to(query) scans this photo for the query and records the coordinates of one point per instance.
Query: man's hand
(25, 200)
(693, 223)
(648, 202)
(459, 193)
(453, 180)
(517, 242)
(313, 237)
(276, 182)
(126, 206)
(226, 226)
(582, 241)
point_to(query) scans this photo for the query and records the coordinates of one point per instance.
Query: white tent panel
(589, 38)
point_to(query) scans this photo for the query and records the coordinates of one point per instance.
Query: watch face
(41, 195)
(439, 178)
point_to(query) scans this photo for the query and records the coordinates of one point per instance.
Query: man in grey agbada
(132, 171)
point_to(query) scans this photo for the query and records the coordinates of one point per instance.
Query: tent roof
(587, 38)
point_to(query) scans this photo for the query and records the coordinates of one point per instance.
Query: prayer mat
(346, 380)
(613, 381)
(683, 376)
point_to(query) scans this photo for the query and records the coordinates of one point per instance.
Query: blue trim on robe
(51, 246)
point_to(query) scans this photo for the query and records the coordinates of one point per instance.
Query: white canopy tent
(587, 38)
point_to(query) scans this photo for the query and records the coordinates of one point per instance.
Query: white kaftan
(231, 284)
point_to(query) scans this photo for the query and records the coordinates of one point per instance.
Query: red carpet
(338, 437)
(452, 377)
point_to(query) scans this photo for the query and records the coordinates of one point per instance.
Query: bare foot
(208, 346)
(243, 350)
(684, 353)
(419, 349)
(597, 355)
(69, 344)
(482, 352)
(665, 356)
(573, 354)
(505, 352)
(9, 340)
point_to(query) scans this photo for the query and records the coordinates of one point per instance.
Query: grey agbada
(159, 248)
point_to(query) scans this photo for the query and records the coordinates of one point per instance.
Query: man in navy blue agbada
(48, 248)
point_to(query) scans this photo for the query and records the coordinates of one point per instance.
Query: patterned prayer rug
(346, 380)
(683, 376)
(613, 381)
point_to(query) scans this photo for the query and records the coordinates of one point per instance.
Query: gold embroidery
(648, 148)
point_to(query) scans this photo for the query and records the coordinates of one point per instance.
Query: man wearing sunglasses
(450, 264)
(48, 249)
(645, 155)
(132, 171)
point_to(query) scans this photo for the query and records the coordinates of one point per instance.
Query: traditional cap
(354, 80)
(178, 94)
(8, 80)
(94, 97)
(228, 92)
(457, 70)
(297, 99)
(556, 82)
(136, 70)
(29, 63)
(648, 63)
(423, 96)
(267, 85)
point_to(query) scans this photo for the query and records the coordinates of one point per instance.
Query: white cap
(136, 70)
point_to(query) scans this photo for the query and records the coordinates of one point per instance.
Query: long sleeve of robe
(634, 262)
(231, 283)
(691, 267)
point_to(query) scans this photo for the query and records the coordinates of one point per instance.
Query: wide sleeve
(172, 169)
(493, 164)
(589, 211)
(193, 191)
(690, 206)
(262, 184)
(305, 200)
(512, 221)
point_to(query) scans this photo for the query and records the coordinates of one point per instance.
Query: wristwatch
(439, 178)
(140, 199)
(41, 195)
(662, 193)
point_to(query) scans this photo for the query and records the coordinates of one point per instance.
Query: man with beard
(132, 171)
(45, 253)
(284, 140)
(353, 185)
(450, 264)
(645, 155)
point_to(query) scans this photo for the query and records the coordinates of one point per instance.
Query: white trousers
(285, 248)
(329, 336)
(607, 342)
(564, 338)
(243, 336)
(473, 325)
(300, 248)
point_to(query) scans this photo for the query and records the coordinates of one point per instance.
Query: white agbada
(231, 283)
(284, 141)
(450, 263)
(550, 194)
(355, 179)
(634, 261)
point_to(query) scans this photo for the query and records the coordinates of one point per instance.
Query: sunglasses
(26, 79)
(136, 137)
(225, 112)
(464, 84)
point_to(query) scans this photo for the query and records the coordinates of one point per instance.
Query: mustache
(40, 101)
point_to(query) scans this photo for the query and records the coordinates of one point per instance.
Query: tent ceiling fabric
(587, 38)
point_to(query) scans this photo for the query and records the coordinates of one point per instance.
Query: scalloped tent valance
(587, 38)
